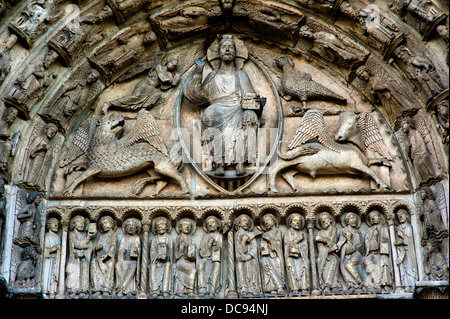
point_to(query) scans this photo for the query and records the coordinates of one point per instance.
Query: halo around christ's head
(213, 51)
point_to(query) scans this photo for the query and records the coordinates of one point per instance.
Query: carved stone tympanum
(212, 149)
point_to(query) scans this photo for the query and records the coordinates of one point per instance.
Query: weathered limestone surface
(224, 149)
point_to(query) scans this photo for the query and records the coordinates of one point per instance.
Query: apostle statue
(128, 258)
(210, 250)
(161, 250)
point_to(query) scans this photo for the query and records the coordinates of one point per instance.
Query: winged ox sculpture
(312, 151)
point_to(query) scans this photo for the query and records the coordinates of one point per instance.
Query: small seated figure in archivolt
(327, 156)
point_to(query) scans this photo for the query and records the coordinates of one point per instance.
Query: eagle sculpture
(300, 85)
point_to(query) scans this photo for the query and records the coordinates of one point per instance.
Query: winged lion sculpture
(112, 154)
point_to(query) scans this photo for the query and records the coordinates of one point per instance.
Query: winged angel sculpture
(112, 154)
(355, 134)
(415, 139)
(432, 207)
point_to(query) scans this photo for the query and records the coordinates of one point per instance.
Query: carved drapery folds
(7, 139)
(3, 203)
(114, 57)
(424, 16)
(433, 231)
(34, 20)
(84, 30)
(414, 138)
(126, 48)
(161, 256)
(80, 91)
(357, 248)
(210, 254)
(223, 148)
(30, 86)
(128, 258)
(27, 241)
(349, 247)
(406, 252)
(52, 258)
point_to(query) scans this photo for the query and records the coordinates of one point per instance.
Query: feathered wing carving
(418, 201)
(371, 135)
(312, 126)
(402, 140)
(81, 142)
(440, 202)
(146, 65)
(185, 61)
(145, 129)
(423, 129)
(426, 134)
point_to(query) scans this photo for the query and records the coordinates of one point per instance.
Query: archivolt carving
(85, 29)
(423, 16)
(34, 20)
(111, 59)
